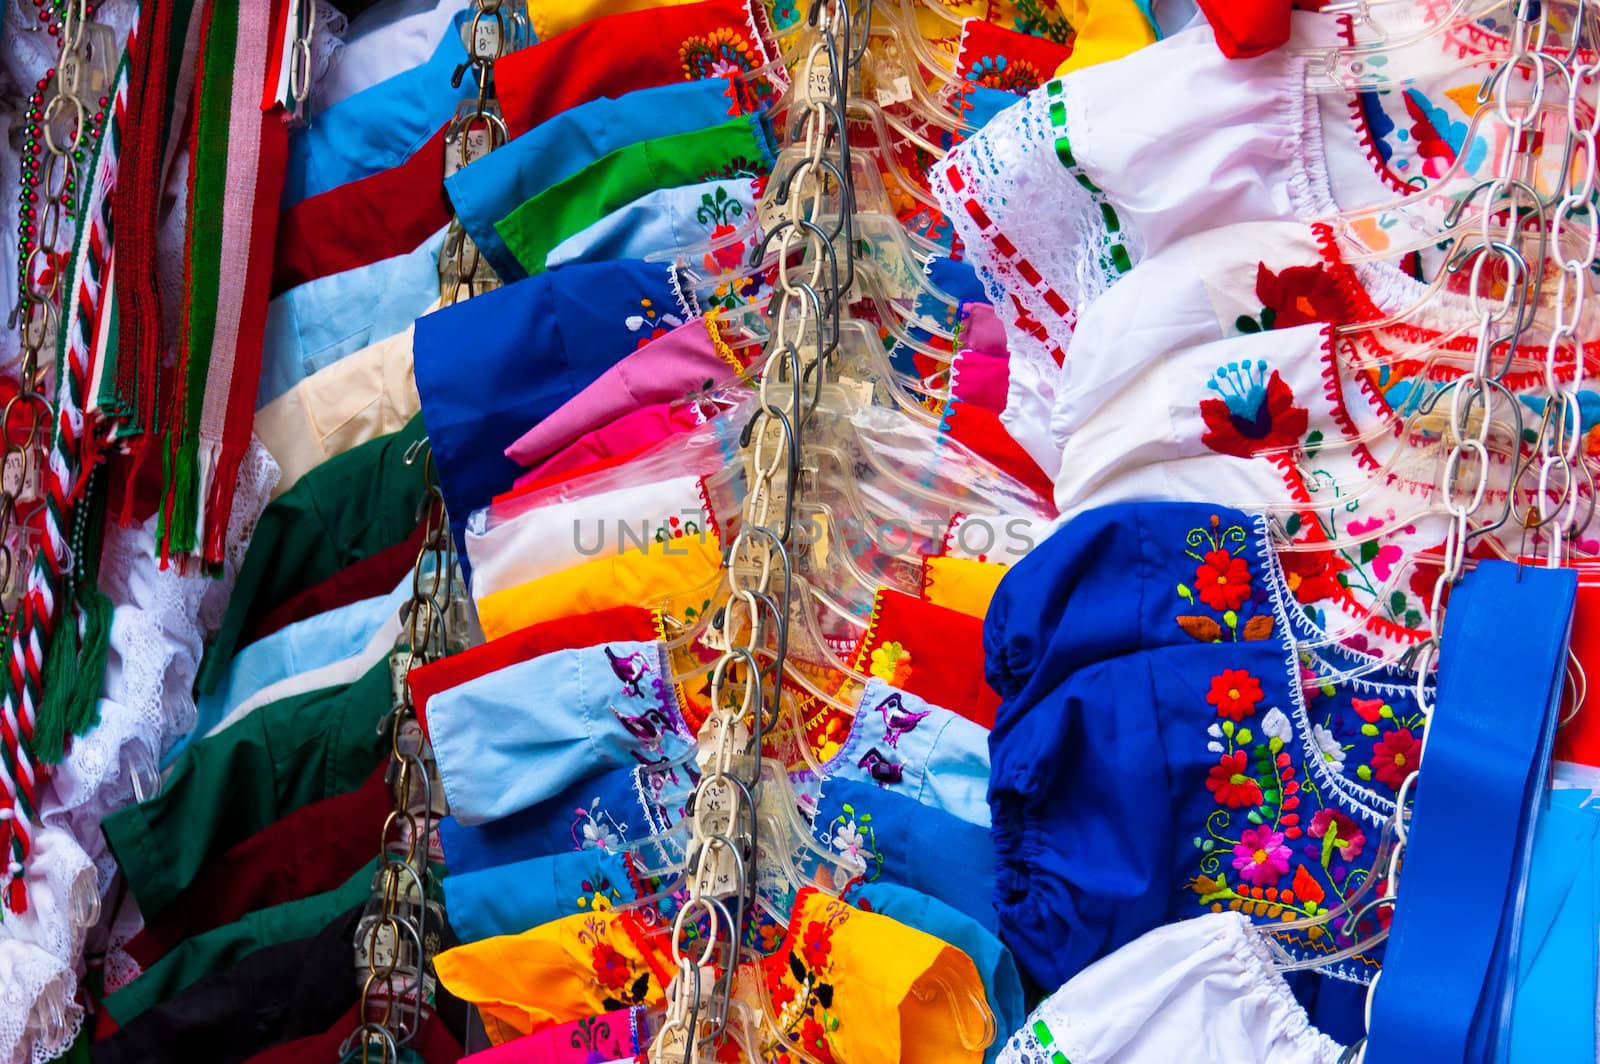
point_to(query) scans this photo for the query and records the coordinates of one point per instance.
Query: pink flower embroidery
(1260, 857)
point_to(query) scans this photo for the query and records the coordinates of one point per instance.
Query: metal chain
(399, 932)
(752, 628)
(1507, 264)
(495, 28)
(84, 67)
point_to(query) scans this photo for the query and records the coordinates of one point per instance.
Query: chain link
(752, 625)
(399, 932)
(1518, 231)
(495, 28)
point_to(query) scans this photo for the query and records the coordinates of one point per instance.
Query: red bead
(51, 30)
(44, 16)
(104, 100)
(99, 116)
(42, 82)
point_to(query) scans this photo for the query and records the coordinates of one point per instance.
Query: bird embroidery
(648, 727)
(630, 670)
(880, 768)
(897, 720)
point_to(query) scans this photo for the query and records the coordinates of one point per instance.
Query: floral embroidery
(891, 663)
(738, 166)
(852, 836)
(801, 984)
(1256, 411)
(1395, 757)
(599, 896)
(674, 527)
(624, 985)
(1222, 581)
(723, 52)
(1294, 793)
(1235, 694)
(1231, 785)
(1260, 857)
(1016, 76)
(1225, 585)
(651, 322)
(595, 829)
(1299, 295)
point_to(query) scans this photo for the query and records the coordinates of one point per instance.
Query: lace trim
(1044, 237)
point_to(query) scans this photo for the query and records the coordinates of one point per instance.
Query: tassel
(49, 744)
(82, 711)
(17, 895)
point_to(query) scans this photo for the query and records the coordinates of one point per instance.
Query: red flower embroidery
(1230, 785)
(730, 256)
(1369, 709)
(1313, 575)
(1299, 295)
(610, 967)
(1235, 694)
(1395, 757)
(815, 945)
(1222, 581)
(812, 1038)
(1256, 412)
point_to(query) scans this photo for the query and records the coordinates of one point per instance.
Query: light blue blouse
(380, 127)
(313, 325)
(487, 190)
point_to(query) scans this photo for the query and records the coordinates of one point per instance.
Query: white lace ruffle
(1040, 237)
(156, 640)
(41, 950)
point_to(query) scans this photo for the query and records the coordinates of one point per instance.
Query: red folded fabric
(981, 432)
(998, 58)
(931, 651)
(622, 53)
(386, 214)
(314, 849)
(374, 575)
(1247, 28)
(626, 623)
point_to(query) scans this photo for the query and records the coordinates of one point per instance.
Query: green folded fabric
(737, 147)
(227, 787)
(348, 508)
(217, 949)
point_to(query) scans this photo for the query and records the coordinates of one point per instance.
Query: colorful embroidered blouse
(1163, 749)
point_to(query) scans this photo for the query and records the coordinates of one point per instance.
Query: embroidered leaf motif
(1397, 603)
(641, 986)
(1313, 444)
(1413, 619)
(1202, 628)
(1258, 628)
(823, 992)
(1369, 551)
(1292, 526)
(1246, 324)
(797, 968)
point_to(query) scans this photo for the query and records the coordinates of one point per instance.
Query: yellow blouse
(962, 584)
(679, 575)
(577, 966)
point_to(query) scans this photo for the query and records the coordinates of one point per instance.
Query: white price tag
(486, 38)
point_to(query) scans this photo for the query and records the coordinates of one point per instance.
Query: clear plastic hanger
(1355, 907)
(1404, 51)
